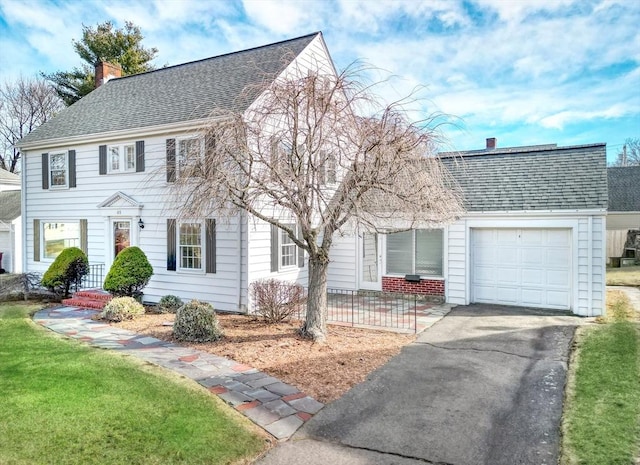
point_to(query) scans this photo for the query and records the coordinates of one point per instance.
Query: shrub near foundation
(196, 322)
(67, 270)
(129, 273)
(169, 304)
(122, 308)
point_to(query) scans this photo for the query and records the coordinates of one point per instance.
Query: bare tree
(630, 153)
(24, 105)
(302, 159)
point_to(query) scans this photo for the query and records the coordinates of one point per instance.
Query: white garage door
(524, 267)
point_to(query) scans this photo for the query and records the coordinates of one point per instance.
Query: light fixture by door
(141, 223)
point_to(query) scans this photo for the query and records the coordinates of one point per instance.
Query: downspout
(240, 256)
(590, 267)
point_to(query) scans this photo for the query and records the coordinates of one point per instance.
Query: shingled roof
(624, 188)
(9, 205)
(543, 177)
(9, 178)
(186, 92)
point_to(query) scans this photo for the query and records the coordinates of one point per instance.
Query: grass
(67, 403)
(601, 423)
(624, 276)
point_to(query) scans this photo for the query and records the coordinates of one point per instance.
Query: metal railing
(372, 309)
(94, 278)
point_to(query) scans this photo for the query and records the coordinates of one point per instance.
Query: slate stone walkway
(277, 407)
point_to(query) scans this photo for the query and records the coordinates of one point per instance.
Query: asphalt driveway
(482, 386)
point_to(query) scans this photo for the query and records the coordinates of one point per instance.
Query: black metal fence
(373, 309)
(94, 279)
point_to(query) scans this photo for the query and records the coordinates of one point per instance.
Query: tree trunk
(315, 326)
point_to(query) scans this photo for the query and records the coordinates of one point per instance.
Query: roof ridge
(201, 60)
(518, 150)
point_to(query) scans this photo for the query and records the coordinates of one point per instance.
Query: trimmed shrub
(169, 304)
(67, 270)
(275, 300)
(129, 273)
(196, 322)
(122, 308)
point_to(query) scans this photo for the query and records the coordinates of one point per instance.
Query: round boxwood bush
(68, 269)
(129, 273)
(169, 304)
(122, 308)
(196, 322)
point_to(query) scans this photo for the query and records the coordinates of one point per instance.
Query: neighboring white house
(10, 222)
(623, 216)
(533, 235)
(98, 175)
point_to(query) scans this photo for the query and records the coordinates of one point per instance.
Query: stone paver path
(277, 407)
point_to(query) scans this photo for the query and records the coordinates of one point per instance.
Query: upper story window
(122, 158)
(419, 251)
(58, 170)
(189, 152)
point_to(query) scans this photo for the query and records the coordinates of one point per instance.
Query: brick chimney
(491, 143)
(106, 71)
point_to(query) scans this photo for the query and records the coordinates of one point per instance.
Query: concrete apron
(483, 386)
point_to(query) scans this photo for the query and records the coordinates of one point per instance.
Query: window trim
(42, 223)
(203, 250)
(66, 170)
(281, 245)
(122, 158)
(413, 256)
(178, 142)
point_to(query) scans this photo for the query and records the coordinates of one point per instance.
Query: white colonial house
(533, 235)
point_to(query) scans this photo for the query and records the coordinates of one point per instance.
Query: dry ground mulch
(323, 371)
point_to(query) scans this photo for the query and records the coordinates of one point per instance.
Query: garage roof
(544, 177)
(9, 205)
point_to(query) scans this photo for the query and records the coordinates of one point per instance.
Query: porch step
(95, 299)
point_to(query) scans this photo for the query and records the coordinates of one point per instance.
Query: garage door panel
(527, 267)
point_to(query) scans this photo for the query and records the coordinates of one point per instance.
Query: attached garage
(522, 267)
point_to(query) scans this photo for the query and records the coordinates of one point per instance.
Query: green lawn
(623, 276)
(601, 423)
(65, 403)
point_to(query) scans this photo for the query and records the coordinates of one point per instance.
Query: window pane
(288, 250)
(58, 168)
(190, 241)
(59, 236)
(399, 253)
(429, 251)
(114, 158)
(130, 157)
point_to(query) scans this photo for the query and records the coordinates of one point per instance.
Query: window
(288, 249)
(122, 158)
(189, 152)
(58, 170)
(59, 236)
(415, 252)
(190, 246)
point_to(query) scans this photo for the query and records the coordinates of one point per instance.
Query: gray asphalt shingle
(624, 189)
(531, 178)
(186, 92)
(9, 205)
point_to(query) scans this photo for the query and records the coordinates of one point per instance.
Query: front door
(121, 235)
(370, 272)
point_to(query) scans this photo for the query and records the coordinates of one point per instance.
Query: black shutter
(171, 244)
(36, 240)
(139, 156)
(102, 159)
(72, 168)
(171, 160)
(45, 171)
(300, 249)
(210, 247)
(274, 248)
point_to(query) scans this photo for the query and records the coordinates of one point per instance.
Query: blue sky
(524, 71)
